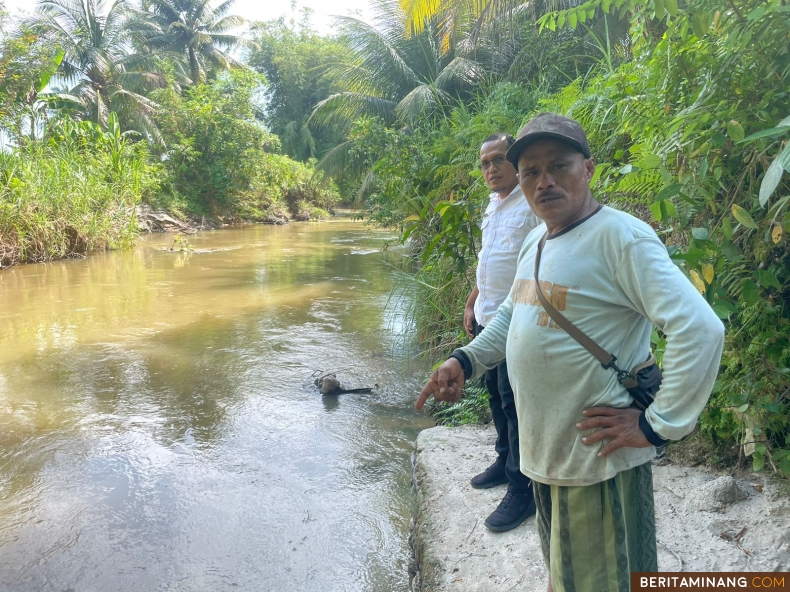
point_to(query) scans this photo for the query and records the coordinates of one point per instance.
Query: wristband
(465, 363)
(649, 432)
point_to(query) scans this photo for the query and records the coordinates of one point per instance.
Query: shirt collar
(496, 199)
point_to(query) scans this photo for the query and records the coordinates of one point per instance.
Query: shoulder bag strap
(606, 359)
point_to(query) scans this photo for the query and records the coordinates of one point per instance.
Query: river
(161, 432)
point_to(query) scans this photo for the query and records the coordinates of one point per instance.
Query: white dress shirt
(506, 223)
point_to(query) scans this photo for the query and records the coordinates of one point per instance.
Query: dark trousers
(503, 411)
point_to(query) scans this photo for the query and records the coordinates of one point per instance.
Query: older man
(507, 221)
(586, 449)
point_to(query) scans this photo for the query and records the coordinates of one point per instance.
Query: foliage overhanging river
(160, 430)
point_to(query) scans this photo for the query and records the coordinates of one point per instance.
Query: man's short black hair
(500, 136)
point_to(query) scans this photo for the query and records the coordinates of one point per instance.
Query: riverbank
(156, 220)
(82, 190)
(706, 521)
(26, 241)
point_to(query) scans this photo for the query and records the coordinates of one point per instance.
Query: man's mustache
(548, 195)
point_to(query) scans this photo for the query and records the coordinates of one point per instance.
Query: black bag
(642, 382)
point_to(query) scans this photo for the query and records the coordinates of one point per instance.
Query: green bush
(426, 183)
(473, 408)
(222, 162)
(298, 185)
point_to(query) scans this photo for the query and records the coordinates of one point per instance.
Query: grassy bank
(61, 200)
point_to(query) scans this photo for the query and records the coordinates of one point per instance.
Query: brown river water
(159, 430)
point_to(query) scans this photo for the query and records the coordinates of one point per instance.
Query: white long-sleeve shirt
(612, 277)
(506, 223)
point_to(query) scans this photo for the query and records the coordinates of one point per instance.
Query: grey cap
(551, 126)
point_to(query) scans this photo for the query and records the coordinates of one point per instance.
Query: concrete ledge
(699, 517)
(452, 548)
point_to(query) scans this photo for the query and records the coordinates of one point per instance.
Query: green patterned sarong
(594, 536)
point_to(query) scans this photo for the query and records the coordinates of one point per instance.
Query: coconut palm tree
(401, 79)
(197, 32)
(394, 76)
(99, 68)
(498, 20)
(472, 16)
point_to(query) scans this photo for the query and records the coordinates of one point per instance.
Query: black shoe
(491, 477)
(512, 511)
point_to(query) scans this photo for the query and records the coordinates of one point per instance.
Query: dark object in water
(330, 385)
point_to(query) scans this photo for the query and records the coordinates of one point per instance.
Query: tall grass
(434, 306)
(433, 299)
(60, 200)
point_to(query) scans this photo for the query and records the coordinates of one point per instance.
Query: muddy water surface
(159, 430)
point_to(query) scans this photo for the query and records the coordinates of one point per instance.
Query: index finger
(425, 394)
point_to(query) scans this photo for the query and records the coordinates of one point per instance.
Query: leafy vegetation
(102, 74)
(199, 34)
(26, 67)
(693, 145)
(220, 158)
(473, 408)
(107, 104)
(294, 59)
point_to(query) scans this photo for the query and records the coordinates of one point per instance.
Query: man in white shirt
(586, 448)
(506, 222)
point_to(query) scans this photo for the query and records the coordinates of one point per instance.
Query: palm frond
(227, 23)
(460, 72)
(365, 188)
(377, 53)
(307, 140)
(422, 100)
(340, 108)
(100, 64)
(342, 160)
(223, 9)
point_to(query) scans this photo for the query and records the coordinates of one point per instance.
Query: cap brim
(521, 144)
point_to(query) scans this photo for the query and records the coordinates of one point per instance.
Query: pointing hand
(445, 384)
